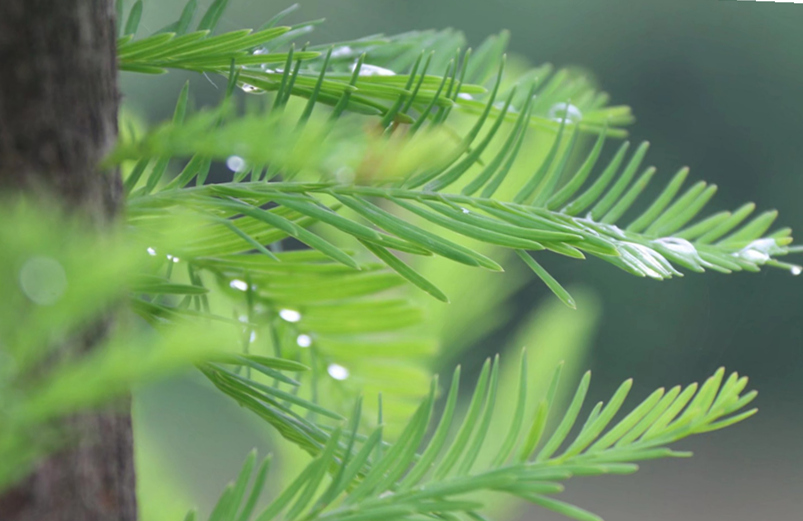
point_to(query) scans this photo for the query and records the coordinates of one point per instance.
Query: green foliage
(404, 483)
(558, 208)
(57, 277)
(287, 285)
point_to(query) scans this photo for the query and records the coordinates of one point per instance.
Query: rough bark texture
(58, 99)
(58, 117)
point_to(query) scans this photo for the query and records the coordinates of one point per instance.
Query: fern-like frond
(653, 247)
(568, 210)
(411, 78)
(309, 311)
(198, 51)
(441, 479)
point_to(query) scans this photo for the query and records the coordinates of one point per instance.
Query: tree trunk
(58, 117)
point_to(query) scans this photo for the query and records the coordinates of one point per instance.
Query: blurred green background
(714, 85)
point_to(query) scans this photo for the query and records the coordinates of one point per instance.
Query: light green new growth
(438, 482)
(428, 149)
(550, 211)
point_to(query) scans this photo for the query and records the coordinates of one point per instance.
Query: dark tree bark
(58, 117)
(58, 99)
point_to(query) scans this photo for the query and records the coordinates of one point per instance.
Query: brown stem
(58, 117)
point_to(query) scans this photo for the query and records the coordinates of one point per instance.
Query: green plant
(342, 154)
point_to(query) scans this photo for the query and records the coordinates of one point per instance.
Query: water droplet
(43, 280)
(252, 338)
(682, 248)
(238, 284)
(465, 96)
(243, 318)
(235, 163)
(176, 259)
(766, 244)
(290, 315)
(264, 66)
(759, 257)
(304, 340)
(559, 110)
(465, 210)
(373, 70)
(250, 89)
(342, 52)
(796, 270)
(338, 372)
(679, 246)
(759, 251)
(151, 252)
